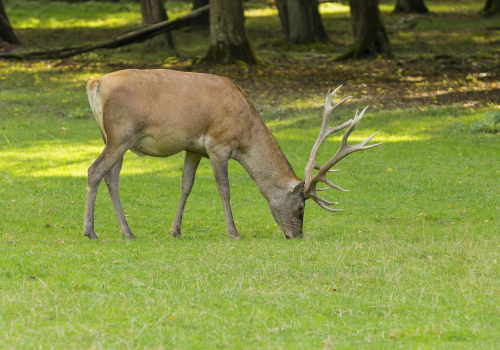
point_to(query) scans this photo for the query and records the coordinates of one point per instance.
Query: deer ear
(295, 186)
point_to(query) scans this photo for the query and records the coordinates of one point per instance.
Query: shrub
(488, 124)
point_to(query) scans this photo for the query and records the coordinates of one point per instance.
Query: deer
(162, 112)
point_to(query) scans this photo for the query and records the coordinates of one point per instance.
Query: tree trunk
(199, 3)
(370, 37)
(228, 37)
(6, 32)
(491, 8)
(204, 22)
(282, 6)
(301, 21)
(410, 6)
(154, 12)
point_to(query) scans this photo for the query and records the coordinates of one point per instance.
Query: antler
(343, 151)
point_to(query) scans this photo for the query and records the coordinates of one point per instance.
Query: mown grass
(412, 261)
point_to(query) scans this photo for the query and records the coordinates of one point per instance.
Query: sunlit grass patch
(67, 15)
(92, 14)
(48, 159)
(261, 12)
(456, 6)
(333, 7)
(53, 23)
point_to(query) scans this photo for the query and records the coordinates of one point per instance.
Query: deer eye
(300, 208)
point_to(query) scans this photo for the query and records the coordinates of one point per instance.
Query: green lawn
(412, 262)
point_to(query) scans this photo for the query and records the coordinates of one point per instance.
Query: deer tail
(94, 94)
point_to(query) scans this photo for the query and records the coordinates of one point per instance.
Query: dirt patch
(385, 84)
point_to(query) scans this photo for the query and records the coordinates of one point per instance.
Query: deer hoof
(175, 233)
(236, 236)
(91, 235)
(128, 235)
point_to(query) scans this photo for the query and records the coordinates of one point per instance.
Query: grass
(412, 261)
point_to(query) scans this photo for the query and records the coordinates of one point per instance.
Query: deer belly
(149, 146)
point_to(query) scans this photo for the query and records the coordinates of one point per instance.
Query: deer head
(291, 224)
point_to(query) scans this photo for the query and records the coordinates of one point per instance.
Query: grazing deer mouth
(289, 235)
(292, 231)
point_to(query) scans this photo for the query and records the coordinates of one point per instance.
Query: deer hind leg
(108, 159)
(220, 169)
(191, 161)
(112, 179)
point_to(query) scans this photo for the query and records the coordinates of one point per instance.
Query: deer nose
(289, 235)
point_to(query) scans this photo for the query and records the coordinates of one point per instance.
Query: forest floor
(451, 57)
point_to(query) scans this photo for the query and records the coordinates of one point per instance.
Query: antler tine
(326, 130)
(318, 167)
(329, 97)
(317, 198)
(321, 189)
(325, 180)
(328, 208)
(368, 139)
(344, 150)
(355, 122)
(331, 110)
(328, 103)
(324, 203)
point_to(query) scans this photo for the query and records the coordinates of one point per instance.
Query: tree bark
(301, 21)
(410, 6)
(204, 22)
(370, 36)
(228, 37)
(199, 3)
(491, 8)
(6, 32)
(153, 12)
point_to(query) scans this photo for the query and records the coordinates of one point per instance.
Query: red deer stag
(162, 112)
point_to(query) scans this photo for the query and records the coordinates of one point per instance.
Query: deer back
(165, 112)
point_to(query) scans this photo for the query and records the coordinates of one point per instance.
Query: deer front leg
(220, 167)
(112, 179)
(191, 161)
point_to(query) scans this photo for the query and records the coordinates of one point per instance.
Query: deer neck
(266, 164)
